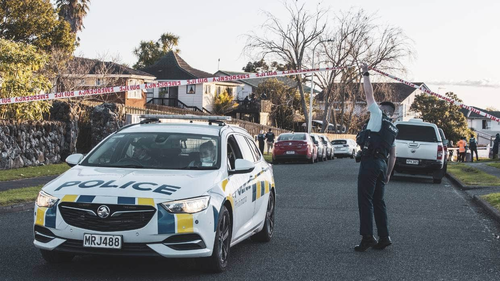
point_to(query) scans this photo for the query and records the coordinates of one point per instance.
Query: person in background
(270, 141)
(473, 148)
(207, 156)
(450, 145)
(261, 138)
(461, 149)
(496, 143)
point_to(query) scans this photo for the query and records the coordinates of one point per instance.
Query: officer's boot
(383, 242)
(367, 242)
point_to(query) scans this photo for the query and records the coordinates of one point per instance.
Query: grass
(19, 195)
(33, 172)
(493, 199)
(472, 176)
(268, 157)
(496, 165)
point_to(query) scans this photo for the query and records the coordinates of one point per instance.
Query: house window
(191, 89)
(163, 92)
(208, 89)
(134, 94)
(485, 124)
(98, 82)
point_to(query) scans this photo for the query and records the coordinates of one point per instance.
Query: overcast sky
(456, 45)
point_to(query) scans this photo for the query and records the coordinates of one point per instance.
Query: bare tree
(289, 41)
(356, 38)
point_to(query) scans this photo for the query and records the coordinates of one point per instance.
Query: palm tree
(73, 11)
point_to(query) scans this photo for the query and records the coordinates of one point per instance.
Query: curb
(17, 207)
(462, 186)
(490, 210)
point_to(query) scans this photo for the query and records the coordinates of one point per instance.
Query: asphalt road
(438, 234)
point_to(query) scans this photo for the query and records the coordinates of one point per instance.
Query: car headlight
(190, 206)
(45, 200)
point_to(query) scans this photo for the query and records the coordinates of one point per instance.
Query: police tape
(452, 101)
(173, 83)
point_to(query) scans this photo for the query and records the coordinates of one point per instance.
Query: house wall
(208, 96)
(243, 91)
(195, 99)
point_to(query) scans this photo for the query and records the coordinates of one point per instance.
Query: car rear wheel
(56, 257)
(218, 261)
(352, 154)
(267, 231)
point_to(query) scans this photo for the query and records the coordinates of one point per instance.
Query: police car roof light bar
(187, 117)
(149, 120)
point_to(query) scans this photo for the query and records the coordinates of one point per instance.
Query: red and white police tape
(452, 101)
(115, 89)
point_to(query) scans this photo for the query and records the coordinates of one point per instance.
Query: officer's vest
(381, 141)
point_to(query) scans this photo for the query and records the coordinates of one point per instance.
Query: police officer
(378, 156)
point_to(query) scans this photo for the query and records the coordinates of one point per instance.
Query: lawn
(496, 165)
(33, 172)
(472, 176)
(19, 195)
(493, 199)
(268, 157)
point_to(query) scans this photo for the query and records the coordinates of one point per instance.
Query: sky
(456, 45)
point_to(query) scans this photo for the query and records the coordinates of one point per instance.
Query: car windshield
(416, 133)
(339, 142)
(157, 151)
(289, 137)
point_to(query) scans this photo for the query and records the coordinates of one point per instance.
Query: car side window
(245, 148)
(254, 148)
(233, 152)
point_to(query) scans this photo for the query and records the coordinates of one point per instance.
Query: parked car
(321, 147)
(420, 149)
(172, 190)
(294, 146)
(445, 144)
(330, 150)
(345, 147)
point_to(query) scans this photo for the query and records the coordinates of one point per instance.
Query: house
(198, 97)
(84, 73)
(485, 128)
(400, 94)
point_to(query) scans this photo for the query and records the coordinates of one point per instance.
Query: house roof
(400, 91)
(172, 67)
(255, 82)
(472, 115)
(79, 65)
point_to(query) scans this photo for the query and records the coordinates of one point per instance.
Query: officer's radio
(363, 140)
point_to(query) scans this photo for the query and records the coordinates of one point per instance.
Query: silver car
(345, 147)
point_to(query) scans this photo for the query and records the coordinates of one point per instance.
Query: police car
(175, 190)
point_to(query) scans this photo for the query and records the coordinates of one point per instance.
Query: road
(438, 234)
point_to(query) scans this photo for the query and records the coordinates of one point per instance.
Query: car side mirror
(74, 159)
(316, 142)
(242, 166)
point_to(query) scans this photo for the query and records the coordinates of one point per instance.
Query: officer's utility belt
(374, 154)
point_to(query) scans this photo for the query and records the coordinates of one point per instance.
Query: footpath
(475, 192)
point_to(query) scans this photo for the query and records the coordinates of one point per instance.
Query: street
(437, 233)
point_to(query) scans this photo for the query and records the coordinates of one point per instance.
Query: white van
(420, 149)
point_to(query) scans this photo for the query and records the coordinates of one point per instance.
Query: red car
(294, 146)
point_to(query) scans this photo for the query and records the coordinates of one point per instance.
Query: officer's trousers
(371, 202)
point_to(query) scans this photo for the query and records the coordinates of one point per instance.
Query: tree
(290, 41)
(35, 22)
(149, 52)
(73, 11)
(20, 73)
(445, 115)
(355, 37)
(223, 103)
(285, 101)
(262, 66)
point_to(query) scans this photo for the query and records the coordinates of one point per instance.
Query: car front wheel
(267, 231)
(218, 261)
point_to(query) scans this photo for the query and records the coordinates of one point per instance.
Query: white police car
(174, 190)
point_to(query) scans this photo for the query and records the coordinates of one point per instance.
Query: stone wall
(105, 119)
(30, 143)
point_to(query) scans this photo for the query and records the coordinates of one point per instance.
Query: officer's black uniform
(372, 176)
